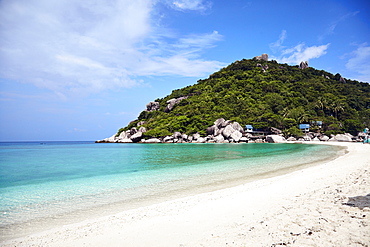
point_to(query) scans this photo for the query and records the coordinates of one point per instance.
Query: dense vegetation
(282, 97)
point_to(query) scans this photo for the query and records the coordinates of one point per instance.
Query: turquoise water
(53, 183)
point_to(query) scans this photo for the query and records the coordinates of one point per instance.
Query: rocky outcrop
(342, 80)
(263, 67)
(152, 106)
(341, 138)
(303, 65)
(263, 57)
(275, 139)
(172, 102)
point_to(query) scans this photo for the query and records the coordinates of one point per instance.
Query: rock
(219, 122)
(228, 131)
(133, 131)
(303, 65)
(276, 131)
(236, 126)
(111, 139)
(153, 140)
(307, 138)
(126, 140)
(196, 136)
(171, 103)
(275, 139)
(201, 140)
(152, 106)
(142, 129)
(342, 80)
(316, 139)
(291, 139)
(263, 67)
(236, 135)
(324, 138)
(140, 123)
(168, 139)
(343, 138)
(184, 137)
(211, 130)
(177, 135)
(244, 139)
(136, 137)
(123, 135)
(263, 57)
(219, 139)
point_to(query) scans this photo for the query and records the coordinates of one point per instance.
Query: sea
(49, 184)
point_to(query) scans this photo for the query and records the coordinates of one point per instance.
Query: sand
(324, 205)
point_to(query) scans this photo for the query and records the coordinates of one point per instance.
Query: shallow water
(47, 184)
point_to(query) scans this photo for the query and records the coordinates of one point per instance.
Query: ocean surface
(47, 184)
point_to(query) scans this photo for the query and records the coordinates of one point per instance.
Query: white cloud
(360, 62)
(296, 54)
(191, 5)
(277, 45)
(95, 45)
(301, 53)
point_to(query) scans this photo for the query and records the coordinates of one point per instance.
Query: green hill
(264, 94)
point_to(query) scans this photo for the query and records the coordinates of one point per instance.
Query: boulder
(342, 80)
(133, 131)
(343, 138)
(275, 139)
(111, 139)
(140, 123)
(171, 103)
(219, 139)
(176, 135)
(126, 140)
(201, 140)
(324, 138)
(123, 135)
(168, 139)
(307, 138)
(303, 65)
(228, 131)
(263, 57)
(153, 140)
(218, 123)
(244, 139)
(152, 106)
(236, 126)
(142, 129)
(236, 135)
(211, 130)
(136, 137)
(196, 136)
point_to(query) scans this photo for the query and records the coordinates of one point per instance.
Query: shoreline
(233, 215)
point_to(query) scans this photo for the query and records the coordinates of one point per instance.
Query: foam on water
(46, 185)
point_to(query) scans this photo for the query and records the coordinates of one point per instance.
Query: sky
(74, 70)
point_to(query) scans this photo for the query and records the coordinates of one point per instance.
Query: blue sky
(80, 70)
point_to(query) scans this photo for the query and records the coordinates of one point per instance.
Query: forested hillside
(264, 94)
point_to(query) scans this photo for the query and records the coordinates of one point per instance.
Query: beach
(324, 205)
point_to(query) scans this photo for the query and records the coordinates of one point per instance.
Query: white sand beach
(324, 205)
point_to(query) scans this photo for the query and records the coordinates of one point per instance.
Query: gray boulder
(136, 137)
(263, 57)
(196, 136)
(172, 102)
(125, 140)
(228, 131)
(201, 140)
(275, 139)
(153, 140)
(343, 138)
(291, 139)
(236, 126)
(218, 123)
(324, 138)
(303, 65)
(219, 139)
(244, 139)
(152, 106)
(236, 135)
